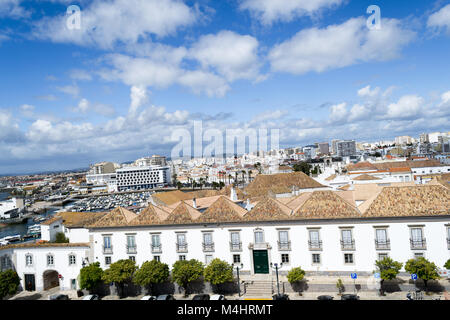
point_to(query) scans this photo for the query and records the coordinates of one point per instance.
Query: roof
(364, 165)
(183, 213)
(268, 209)
(118, 216)
(170, 197)
(51, 220)
(44, 245)
(150, 215)
(389, 165)
(425, 200)
(332, 177)
(325, 205)
(365, 176)
(223, 210)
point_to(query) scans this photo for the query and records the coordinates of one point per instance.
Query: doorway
(30, 283)
(51, 279)
(260, 261)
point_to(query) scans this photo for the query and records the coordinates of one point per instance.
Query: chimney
(233, 195)
(194, 203)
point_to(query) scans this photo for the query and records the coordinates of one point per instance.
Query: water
(4, 196)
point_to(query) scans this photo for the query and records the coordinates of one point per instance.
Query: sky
(114, 81)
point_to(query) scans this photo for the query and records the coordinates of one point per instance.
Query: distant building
(154, 160)
(142, 177)
(310, 152)
(333, 146)
(324, 148)
(403, 140)
(11, 208)
(424, 138)
(102, 167)
(346, 148)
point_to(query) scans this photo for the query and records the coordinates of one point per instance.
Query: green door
(260, 261)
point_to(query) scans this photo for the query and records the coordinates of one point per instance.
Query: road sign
(414, 276)
(354, 275)
(376, 275)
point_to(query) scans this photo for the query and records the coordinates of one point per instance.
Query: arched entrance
(51, 279)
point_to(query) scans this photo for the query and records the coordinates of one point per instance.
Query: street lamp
(84, 262)
(275, 267)
(238, 266)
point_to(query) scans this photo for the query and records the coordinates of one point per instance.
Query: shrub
(218, 272)
(296, 275)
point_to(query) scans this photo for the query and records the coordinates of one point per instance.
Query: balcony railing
(382, 244)
(448, 243)
(348, 245)
(182, 247)
(235, 246)
(418, 244)
(284, 246)
(131, 249)
(108, 250)
(156, 248)
(208, 247)
(315, 245)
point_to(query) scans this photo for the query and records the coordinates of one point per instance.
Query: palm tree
(174, 179)
(243, 177)
(201, 183)
(229, 178)
(250, 176)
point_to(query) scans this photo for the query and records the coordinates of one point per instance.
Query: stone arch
(50, 279)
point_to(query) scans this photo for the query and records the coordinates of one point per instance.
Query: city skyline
(113, 89)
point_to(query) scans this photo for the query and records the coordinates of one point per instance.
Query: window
(207, 238)
(131, 244)
(285, 258)
(132, 258)
(156, 243)
(381, 239)
(235, 244)
(182, 257)
(107, 247)
(50, 260)
(418, 254)
(348, 258)
(181, 238)
(283, 240)
(381, 256)
(259, 236)
(314, 240)
(28, 260)
(236, 258)
(315, 258)
(157, 258)
(417, 240)
(72, 259)
(208, 259)
(107, 261)
(347, 241)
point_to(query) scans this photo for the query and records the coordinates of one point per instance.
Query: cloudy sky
(136, 70)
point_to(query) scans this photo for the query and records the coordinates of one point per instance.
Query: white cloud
(72, 90)
(368, 92)
(406, 107)
(106, 24)
(269, 11)
(82, 75)
(204, 82)
(138, 97)
(358, 112)
(84, 106)
(12, 9)
(440, 19)
(338, 112)
(338, 46)
(27, 110)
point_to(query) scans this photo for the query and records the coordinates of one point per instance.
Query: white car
(148, 298)
(91, 297)
(217, 297)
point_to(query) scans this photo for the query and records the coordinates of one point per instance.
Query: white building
(137, 178)
(11, 208)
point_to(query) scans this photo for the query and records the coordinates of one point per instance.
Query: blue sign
(354, 275)
(414, 276)
(377, 275)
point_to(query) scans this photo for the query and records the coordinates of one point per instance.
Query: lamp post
(84, 262)
(238, 266)
(276, 270)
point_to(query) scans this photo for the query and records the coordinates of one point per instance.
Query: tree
(91, 276)
(9, 283)
(295, 275)
(389, 269)
(218, 272)
(151, 272)
(303, 167)
(340, 286)
(179, 185)
(174, 178)
(447, 265)
(186, 271)
(119, 273)
(61, 238)
(221, 185)
(424, 269)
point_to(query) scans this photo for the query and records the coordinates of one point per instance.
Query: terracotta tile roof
(348, 196)
(222, 210)
(51, 220)
(365, 176)
(361, 166)
(201, 194)
(183, 213)
(150, 215)
(425, 200)
(227, 192)
(79, 219)
(202, 203)
(117, 217)
(345, 188)
(299, 200)
(400, 169)
(170, 197)
(408, 164)
(44, 245)
(267, 210)
(280, 183)
(332, 177)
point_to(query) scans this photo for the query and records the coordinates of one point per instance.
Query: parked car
(91, 297)
(59, 297)
(165, 297)
(325, 297)
(349, 297)
(281, 296)
(217, 297)
(148, 298)
(201, 297)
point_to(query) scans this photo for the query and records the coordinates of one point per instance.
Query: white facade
(10, 208)
(137, 178)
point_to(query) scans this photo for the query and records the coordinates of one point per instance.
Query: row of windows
(29, 260)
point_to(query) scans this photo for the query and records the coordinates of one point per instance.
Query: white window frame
(29, 255)
(353, 258)
(257, 231)
(50, 255)
(312, 259)
(74, 259)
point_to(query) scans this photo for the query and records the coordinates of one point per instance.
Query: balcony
(182, 247)
(108, 250)
(156, 248)
(418, 244)
(382, 244)
(315, 245)
(284, 246)
(208, 247)
(448, 243)
(131, 249)
(348, 245)
(235, 246)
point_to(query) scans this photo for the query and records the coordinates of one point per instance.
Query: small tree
(218, 272)
(9, 283)
(61, 238)
(340, 286)
(91, 276)
(119, 273)
(295, 275)
(447, 265)
(389, 269)
(424, 269)
(186, 271)
(151, 272)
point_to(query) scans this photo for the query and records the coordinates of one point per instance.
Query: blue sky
(137, 70)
